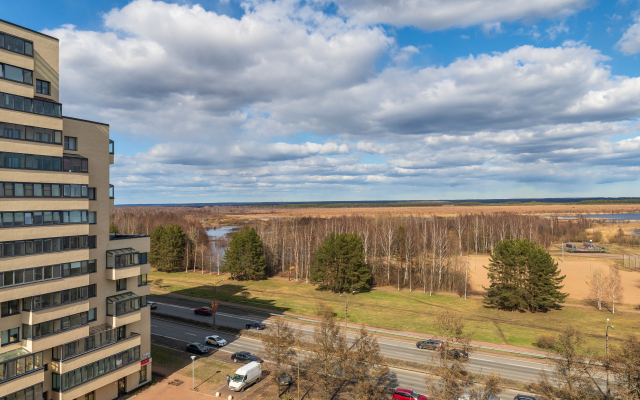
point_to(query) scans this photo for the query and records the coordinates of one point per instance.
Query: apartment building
(74, 321)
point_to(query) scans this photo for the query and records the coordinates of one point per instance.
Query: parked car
(407, 394)
(245, 376)
(523, 397)
(203, 311)
(152, 304)
(245, 357)
(197, 348)
(430, 344)
(455, 353)
(285, 378)
(215, 340)
(257, 325)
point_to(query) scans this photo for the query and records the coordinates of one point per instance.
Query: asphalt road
(180, 335)
(520, 370)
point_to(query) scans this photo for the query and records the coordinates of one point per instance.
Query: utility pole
(606, 345)
(346, 308)
(562, 247)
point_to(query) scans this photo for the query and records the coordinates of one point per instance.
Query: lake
(221, 232)
(610, 217)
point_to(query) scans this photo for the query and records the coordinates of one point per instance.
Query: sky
(262, 101)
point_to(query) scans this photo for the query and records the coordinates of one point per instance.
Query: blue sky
(218, 101)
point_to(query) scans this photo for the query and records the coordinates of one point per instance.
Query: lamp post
(346, 307)
(215, 304)
(193, 372)
(606, 345)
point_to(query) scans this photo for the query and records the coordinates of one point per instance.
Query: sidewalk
(408, 334)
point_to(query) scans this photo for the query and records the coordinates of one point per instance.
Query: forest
(425, 253)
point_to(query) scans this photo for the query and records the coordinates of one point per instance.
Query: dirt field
(577, 270)
(440, 211)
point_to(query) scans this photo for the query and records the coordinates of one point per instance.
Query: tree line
(418, 253)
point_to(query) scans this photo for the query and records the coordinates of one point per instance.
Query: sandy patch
(577, 272)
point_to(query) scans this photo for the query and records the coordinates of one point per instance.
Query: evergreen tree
(523, 276)
(339, 264)
(174, 245)
(244, 258)
(156, 254)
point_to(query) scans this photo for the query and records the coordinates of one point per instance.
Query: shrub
(545, 341)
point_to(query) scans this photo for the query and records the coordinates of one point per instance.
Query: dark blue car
(245, 357)
(256, 325)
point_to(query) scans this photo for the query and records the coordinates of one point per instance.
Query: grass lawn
(209, 373)
(404, 311)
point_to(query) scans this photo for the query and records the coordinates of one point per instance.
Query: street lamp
(193, 372)
(346, 307)
(606, 343)
(215, 304)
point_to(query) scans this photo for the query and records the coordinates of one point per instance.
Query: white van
(245, 376)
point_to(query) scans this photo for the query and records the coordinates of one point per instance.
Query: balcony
(141, 243)
(124, 309)
(101, 343)
(126, 263)
(112, 195)
(20, 369)
(111, 151)
(56, 312)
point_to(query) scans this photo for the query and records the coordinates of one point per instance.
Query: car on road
(215, 340)
(407, 394)
(197, 348)
(285, 378)
(256, 325)
(245, 357)
(203, 311)
(523, 397)
(430, 344)
(455, 354)
(152, 304)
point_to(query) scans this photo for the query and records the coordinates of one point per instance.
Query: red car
(203, 311)
(406, 394)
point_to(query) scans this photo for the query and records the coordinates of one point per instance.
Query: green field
(404, 311)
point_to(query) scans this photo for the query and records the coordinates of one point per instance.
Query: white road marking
(190, 334)
(218, 313)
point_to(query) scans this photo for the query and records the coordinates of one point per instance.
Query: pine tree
(157, 250)
(244, 258)
(174, 243)
(339, 264)
(523, 277)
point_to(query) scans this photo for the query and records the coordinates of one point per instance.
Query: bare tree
(449, 363)
(366, 367)
(327, 352)
(279, 347)
(624, 363)
(490, 388)
(613, 287)
(596, 284)
(572, 377)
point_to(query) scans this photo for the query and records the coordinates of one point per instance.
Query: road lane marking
(219, 313)
(190, 334)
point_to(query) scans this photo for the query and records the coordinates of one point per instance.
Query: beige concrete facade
(39, 356)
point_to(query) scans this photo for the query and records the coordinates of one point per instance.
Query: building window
(43, 87)
(39, 274)
(47, 328)
(142, 280)
(10, 336)
(11, 307)
(56, 299)
(70, 143)
(16, 44)
(46, 163)
(47, 245)
(30, 133)
(90, 396)
(143, 373)
(17, 189)
(16, 74)
(92, 193)
(121, 284)
(19, 103)
(35, 218)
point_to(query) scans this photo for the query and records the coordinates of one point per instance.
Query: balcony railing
(105, 336)
(112, 192)
(125, 303)
(112, 147)
(124, 258)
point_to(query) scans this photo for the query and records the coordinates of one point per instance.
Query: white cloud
(556, 30)
(443, 14)
(231, 105)
(630, 42)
